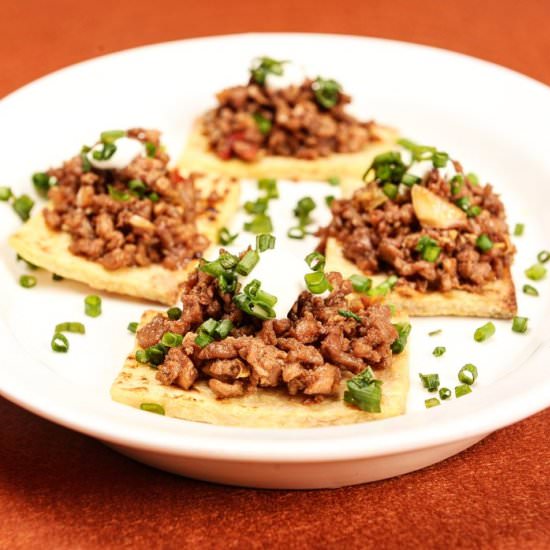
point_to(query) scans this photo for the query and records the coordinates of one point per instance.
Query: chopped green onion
(519, 324)
(329, 199)
(384, 288)
(152, 408)
(174, 313)
(410, 179)
(253, 291)
(209, 326)
(327, 92)
(473, 211)
(261, 223)
(346, 313)
(132, 327)
(153, 197)
(77, 328)
(223, 328)
(27, 281)
(269, 185)
(435, 332)
(137, 187)
(484, 332)
(403, 331)
(5, 194)
(150, 149)
(59, 343)
(543, 256)
(457, 181)
(171, 339)
(264, 124)
(530, 290)
(334, 181)
(360, 283)
(247, 263)
(484, 243)
(110, 136)
(42, 183)
(142, 356)
(461, 390)
(439, 351)
(264, 66)
(84, 160)
(56, 277)
(264, 242)
(225, 237)
(105, 153)
(432, 402)
(390, 190)
(257, 309)
(467, 374)
(364, 391)
(304, 207)
(92, 306)
(472, 178)
(428, 248)
(296, 233)
(430, 381)
(317, 283)
(315, 261)
(117, 194)
(202, 339)
(228, 261)
(463, 203)
(440, 159)
(387, 167)
(259, 206)
(445, 393)
(23, 206)
(519, 229)
(536, 272)
(156, 353)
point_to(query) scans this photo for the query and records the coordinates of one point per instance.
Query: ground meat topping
(306, 353)
(117, 227)
(253, 120)
(386, 235)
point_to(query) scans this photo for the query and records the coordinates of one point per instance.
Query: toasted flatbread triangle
(496, 299)
(49, 249)
(197, 156)
(136, 384)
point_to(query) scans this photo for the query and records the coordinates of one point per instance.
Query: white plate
(494, 120)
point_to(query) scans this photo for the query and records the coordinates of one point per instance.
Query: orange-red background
(62, 490)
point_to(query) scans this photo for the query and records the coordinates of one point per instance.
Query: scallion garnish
(150, 149)
(42, 183)
(171, 339)
(410, 179)
(360, 283)
(530, 290)
(432, 402)
(346, 313)
(327, 92)
(329, 199)
(174, 313)
(403, 331)
(152, 408)
(463, 203)
(264, 66)
(255, 308)
(261, 223)
(461, 390)
(264, 242)
(473, 211)
(224, 236)
(303, 209)
(315, 261)
(264, 124)
(22, 206)
(439, 351)
(519, 229)
(223, 328)
(269, 185)
(296, 233)
(444, 393)
(435, 332)
(137, 187)
(105, 153)
(92, 305)
(77, 328)
(428, 248)
(247, 263)
(259, 206)
(156, 353)
(334, 181)
(519, 324)
(543, 256)
(467, 374)
(110, 136)
(472, 178)
(153, 197)
(59, 343)
(27, 281)
(117, 194)
(142, 356)
(5, 194)
(440, 159)
(457, 181)
(387, 168)
(484, 243)
(317, 282)
(364, 391)
(390, 190)
(84, 160)
(132, 327)
(536, 272)
(384, 288)
(430, 381)
(484, 332)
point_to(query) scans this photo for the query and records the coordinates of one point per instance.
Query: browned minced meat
(300, 127)
(134, 232)
(384, 239)
(306, 353)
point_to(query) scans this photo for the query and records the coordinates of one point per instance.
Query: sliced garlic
(433, 211)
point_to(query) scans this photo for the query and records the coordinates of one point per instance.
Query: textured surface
(62, 490)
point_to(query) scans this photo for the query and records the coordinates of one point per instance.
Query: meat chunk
(223, 390)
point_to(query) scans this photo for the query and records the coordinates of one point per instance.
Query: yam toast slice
(198, 157)
(136, 384)
(48, 249)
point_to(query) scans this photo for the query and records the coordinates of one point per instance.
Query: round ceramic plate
(492, 119)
